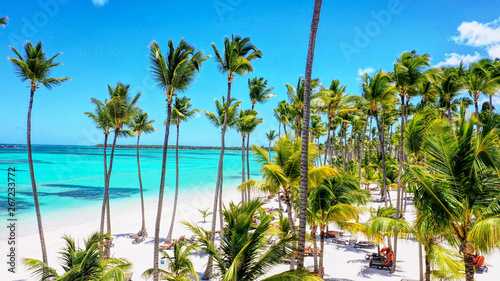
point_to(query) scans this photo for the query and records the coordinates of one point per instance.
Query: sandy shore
(342, 263)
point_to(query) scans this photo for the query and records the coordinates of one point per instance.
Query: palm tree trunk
(248, 162)
(305, 135)
(381, 139)
(106, 190)
(176, 196)
(420, 263)
(243, 167)
(33, 182)
(361, 152)
(315, 248)
(427, 264)
(370, 143)
(279, 128)
(143, 226)
(322, 249)
(400, 172)
(218, 189)
(104, 201)
(288, 203)
(327, 144)
(469, 267)
(156, 246)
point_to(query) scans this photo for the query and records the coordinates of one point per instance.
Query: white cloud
(454, 59)
(486, 35)
(368, 70)
(99, 3)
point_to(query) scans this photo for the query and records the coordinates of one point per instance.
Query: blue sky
(106, 41)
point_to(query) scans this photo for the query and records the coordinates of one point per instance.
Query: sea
(72, 177)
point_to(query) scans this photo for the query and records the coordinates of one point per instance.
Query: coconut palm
(35, 67)
(448, 86)
(235, 60)
(334, 201)
(377, 93)
(460, 184)
(181, 112)
(283, 115)
(246, 123)
(141, 125)
(477, 79)
(82, 264)
(179, 266)
(296, 98)
(281, 173)
(3, 21)
(270, 137)
(259, 93)
(173, 73)
(243, 254)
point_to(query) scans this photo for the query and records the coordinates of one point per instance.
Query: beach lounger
(364, 245)
(137, 239)
(381, 264)
(182, 238)
(192, 239)
(309, 252)
(167, 246)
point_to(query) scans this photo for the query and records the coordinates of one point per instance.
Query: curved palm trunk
(143, 226)
(315, 249)
(243, 167)
(104, 201)
(106, 191)
(171, 230)
(382, 141)
(33, 182)
(218, 189)
(469, 267)
(305, 134)
(156, 246)
(361, 152)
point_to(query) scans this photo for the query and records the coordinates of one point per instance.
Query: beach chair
(387, 263)
(364, 245)
(165, 246)
(353, 240)
(192, 239)
(182, 238)
(137, 239)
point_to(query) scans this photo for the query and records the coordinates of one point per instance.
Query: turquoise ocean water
(70, 177)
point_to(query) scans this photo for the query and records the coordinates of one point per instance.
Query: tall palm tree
(179, 266)
(82, 264)
(460, 184)
(243, 254)
(246, 123)
(296, 97)
(36, 67)
(281, 113)
(304, 166)
(448, 86)
(259, 93)
(235, 60)
(377, 93)
(173, 73)
(270, 137)
(141, 125)
(3, 21)
(180, 112)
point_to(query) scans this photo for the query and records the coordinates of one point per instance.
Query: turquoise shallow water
(70, 177)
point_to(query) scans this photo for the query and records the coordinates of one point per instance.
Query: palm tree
(246, 123)
(121, 109)
(236, 59)
(448, 86)
(141, 125)
(478, 79)
(179, 266)
(377, 93)
(333, 201)
(281, 173)
(180, 112)
(88, 263)
(173, 74)
(243, 254)
(36, 68)
(296, 97)
(259, 93)
(304, 166)
(270, 137)
(3, 21)
(282, 114)
(460, 184)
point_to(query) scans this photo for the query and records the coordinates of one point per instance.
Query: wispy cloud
(368, 70)
(484, 35)
(454, 59)
(99, 3)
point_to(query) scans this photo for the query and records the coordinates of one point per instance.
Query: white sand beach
(342, 262)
